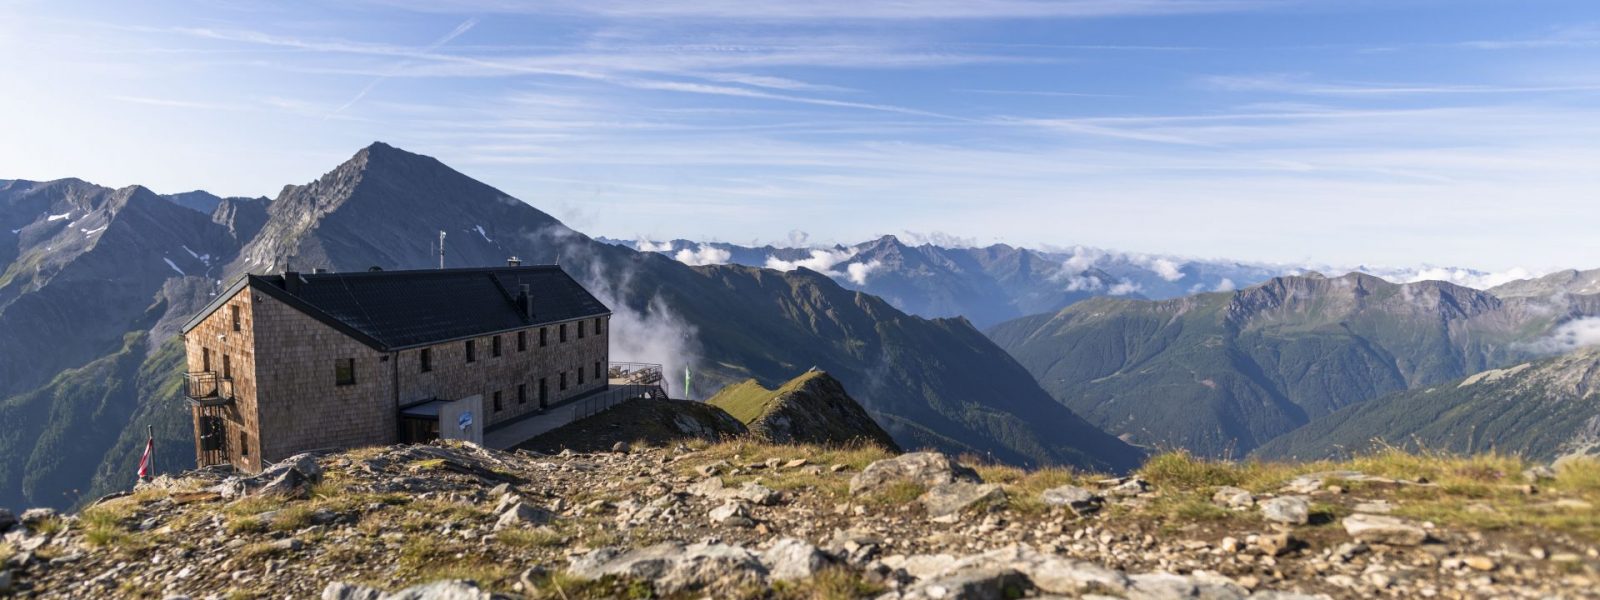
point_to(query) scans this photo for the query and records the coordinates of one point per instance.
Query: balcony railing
(206, 388)
(635, 373)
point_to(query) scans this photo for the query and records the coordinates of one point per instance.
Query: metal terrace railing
(635, 373)
(627, 381)
(205, 388)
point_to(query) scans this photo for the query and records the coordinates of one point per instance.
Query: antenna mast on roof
(441, 248)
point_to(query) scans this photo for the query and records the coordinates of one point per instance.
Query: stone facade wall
(452, 377)
(302, 406)
(287, 399)
(216, 335)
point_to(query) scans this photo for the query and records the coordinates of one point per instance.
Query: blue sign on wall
(465, 421)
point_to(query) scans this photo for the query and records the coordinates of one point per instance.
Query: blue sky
(1462, 132)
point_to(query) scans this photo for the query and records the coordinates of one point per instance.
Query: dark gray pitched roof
(390, 310)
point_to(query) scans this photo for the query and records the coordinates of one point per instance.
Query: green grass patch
(539, 537)
(1183, 471)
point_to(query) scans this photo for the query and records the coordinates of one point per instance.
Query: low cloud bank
(1569, 336)
(705, 255)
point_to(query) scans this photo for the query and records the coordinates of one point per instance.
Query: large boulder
(951, 498)
(789, 559)
(292, 477)
(924, 468)
(1290, 510)
(438, 590)
(671, 568)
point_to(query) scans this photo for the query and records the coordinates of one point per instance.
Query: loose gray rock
(977, 584)
(1081, 501)
(954, 497)
(442, 590)
(757, 494)
(1132, 487)
(672, 568)
(1233, 497)
(1293, 510)
(350, 591)
(924, 468)
(733, 514)
(522, 513)
(1538, 474)
(1167, 586)
(34, 516)
(1380, 529)
(790, 559)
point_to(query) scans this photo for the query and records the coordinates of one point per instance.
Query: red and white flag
(144, 462)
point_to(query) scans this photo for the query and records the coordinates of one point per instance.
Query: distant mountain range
(991, 284)
(95, 281)
(1223, 373)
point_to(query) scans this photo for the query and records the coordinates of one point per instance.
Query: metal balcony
(206, 388)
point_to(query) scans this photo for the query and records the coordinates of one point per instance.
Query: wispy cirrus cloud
(453, 34)
(782, 10)
(1291, 84)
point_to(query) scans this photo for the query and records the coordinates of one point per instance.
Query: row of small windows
(544, 388)
(495, 346)
(344, 372)
(344, 369)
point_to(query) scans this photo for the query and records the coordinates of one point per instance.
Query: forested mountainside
(91, 266)
(1223, 373)
(1540, 410)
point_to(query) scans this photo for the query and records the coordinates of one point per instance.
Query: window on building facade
(205, 360)
(344, 371)
(580, 328)
(597, 370)
(563, 381)
(597, 329)
(522, 341)
(544, 392)
(233, 314)
(522, 393)
(563, 333)
(580, 375)
(227, 367)
(472, 350)
(497, 406)
(425, 358)
(544, 337)
(244, 443)
(494, 346)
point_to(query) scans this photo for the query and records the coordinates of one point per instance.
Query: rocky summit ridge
(744, 519)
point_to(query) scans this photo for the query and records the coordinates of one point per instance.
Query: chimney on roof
(513, 262)
(319, 271)
(525, 301)
(291, 282)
